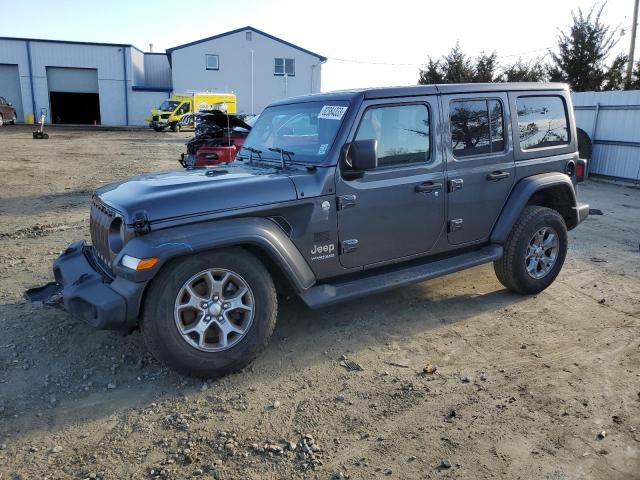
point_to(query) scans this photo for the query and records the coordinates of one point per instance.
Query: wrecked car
(218, 138)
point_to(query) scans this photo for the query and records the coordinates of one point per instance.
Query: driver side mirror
(362, 155)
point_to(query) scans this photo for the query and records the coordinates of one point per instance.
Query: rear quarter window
(542, 122)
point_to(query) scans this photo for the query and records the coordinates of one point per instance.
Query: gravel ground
(545, 386)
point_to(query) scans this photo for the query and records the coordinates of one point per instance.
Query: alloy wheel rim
(542, 252)
(214, 310)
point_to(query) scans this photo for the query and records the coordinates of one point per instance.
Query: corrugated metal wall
(157, 72)
(612, 121)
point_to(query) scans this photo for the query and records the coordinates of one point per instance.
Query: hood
(167, 195)
(221, 119)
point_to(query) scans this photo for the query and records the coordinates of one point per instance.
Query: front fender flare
(520, 196)
(191, 239)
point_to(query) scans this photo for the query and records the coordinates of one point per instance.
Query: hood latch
(141, 223)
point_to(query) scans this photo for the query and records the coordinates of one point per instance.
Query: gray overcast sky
(398, 32)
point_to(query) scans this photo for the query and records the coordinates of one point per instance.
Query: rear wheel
(209, 315)
(534, 251)
(14, 120)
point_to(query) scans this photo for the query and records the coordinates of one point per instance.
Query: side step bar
(328, 294)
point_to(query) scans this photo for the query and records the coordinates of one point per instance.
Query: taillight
(581, 168)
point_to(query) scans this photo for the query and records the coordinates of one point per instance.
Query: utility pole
(634, 27)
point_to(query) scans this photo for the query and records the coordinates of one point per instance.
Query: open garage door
(10, 88)
(73, 95)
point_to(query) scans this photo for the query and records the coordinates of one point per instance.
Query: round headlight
(116, 235)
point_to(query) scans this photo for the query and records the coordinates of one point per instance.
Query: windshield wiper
(282, 153)
(251, 152)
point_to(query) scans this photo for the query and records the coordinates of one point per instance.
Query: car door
(480, 163)
(397, 209)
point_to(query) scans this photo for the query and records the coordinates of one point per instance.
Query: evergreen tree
(457, 67)
(583, 52)
(485, 69)
(521, 71)
(432, 74)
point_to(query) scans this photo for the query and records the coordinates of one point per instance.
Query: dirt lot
(523, 388)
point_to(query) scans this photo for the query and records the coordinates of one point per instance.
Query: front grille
(100, 220)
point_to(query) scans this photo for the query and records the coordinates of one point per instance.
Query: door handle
(498, 175)
(427, 187)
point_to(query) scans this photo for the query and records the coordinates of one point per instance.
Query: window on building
(402, 132)
(282, 66)
(248, 36)
(542, 122)
(476, 127)
(212, 62)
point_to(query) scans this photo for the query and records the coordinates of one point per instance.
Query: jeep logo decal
(323, 252)
(320, 249)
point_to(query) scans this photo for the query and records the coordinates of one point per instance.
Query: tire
(585, 145)
(1, 120)
(175, 127)
(14, 121)
(158, 129)
(524, 276)
(162, 320)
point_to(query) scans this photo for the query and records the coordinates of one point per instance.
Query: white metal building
(259, 68)
(118, 84)
(611, 120)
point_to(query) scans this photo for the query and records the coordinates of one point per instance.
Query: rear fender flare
(523, 192)
(192, 239)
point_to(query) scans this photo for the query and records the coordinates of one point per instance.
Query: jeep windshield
(168, 106)
(305, 130)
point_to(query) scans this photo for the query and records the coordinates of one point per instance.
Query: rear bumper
(88, 294)
(582, 212)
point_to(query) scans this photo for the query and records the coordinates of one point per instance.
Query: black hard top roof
(418, 90)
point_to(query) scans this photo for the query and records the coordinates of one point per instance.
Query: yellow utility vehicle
(171, 111)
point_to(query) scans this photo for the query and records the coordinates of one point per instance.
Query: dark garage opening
(78, 108)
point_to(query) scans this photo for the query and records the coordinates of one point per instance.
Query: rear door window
(476, 127)
(542, 122)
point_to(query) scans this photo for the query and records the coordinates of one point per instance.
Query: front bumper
(155, 125)
(89, 294)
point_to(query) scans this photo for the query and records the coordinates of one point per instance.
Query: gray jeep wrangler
(335, 196)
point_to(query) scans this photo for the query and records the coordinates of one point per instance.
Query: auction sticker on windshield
(332, 112)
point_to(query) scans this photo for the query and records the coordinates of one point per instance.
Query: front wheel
(211, 314)
(534, 251)
(175, 127)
